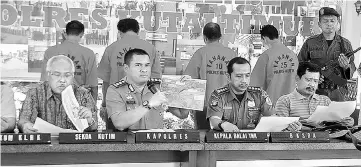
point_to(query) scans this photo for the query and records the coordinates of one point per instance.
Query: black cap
(327, 11)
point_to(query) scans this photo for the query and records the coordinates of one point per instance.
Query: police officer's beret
(155, 80)
(119, 83)
(327, 11)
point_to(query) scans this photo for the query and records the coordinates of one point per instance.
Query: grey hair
(57, 58)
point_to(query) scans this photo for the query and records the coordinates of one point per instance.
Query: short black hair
(307, 66)
(74, 27)
(128, 24)
(128, 57)
(269, 31)
(236, 60)
(212, 31)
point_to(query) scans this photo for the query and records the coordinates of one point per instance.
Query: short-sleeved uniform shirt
(297, 105)
(224, 104)
(111, 65)
(7, 102)
(210, 63)
(122, 97)
(84, 60)
(275, 71)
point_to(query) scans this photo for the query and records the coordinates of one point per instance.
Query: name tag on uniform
(131, 102)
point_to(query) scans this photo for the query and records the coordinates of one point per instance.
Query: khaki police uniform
(209, 63)
(111, 65)
(224, 104)
(84, 60)
(317, 51)
(275, 71)
(122, 97)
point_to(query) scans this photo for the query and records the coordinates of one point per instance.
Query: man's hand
(28, 128)
(157, 99)
(229, 127)
(85, 113)
(347, 121)
(295, 126)
(344, 61)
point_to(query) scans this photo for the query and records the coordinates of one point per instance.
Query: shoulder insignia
(155, 80)
(254, 89)
(221, 91)
(119, 83)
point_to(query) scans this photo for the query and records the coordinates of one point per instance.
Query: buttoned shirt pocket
(254, 114)
(316, 54)
(228, 115)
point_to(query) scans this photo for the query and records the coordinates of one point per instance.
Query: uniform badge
(251, 104)
(129, 97)
(214, 103)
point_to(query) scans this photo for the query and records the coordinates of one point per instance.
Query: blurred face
(139, 69)
(240, 77)
(307, 85)
(328, 24)
(60, 76)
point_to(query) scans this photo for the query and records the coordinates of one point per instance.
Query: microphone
(151, 86)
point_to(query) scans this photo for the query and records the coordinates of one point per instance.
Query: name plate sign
(167, 137)
(34, 138)
(237, 137)
(300, 137)
(92, 137)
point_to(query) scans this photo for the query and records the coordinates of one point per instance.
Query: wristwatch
(146, 104)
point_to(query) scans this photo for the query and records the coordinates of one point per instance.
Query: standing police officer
(238, 106)
(321, 49)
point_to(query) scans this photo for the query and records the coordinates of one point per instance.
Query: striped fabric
(296, 105)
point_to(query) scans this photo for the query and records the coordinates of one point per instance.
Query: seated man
(302, 102)
(44, 101)
(238, 106)
(8, 111)
(134, 102)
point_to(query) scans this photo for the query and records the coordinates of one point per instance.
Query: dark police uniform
(122, 97)
(246, 113)
(317, 51)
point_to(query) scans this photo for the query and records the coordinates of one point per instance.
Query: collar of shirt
(126, 37)
(145, 90)
(336, 38)
(215, 43)
(298, 96)
(67, 42)
(231, 96)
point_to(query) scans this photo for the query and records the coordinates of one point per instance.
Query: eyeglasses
(58, 75)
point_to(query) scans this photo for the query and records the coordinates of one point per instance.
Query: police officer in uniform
(209, 63)
(111, 65)
(134, 102)
(236, 105)
(321, 49)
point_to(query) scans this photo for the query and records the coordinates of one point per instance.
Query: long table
(187, 154)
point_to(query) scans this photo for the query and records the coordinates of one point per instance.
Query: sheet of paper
(71, 107)
(274, 124)
(46, 127)
(188, 94)
(334, 112)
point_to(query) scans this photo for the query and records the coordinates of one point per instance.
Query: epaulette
(254, 89)
(221, 91)
(119, 83)
(155, 80)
